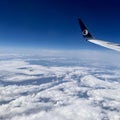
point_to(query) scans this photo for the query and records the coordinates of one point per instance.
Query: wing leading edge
(88, 36)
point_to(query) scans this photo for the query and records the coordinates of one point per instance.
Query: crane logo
(85, 32)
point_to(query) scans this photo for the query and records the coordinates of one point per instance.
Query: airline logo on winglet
(85, 32)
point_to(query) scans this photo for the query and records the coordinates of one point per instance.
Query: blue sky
(52, 24)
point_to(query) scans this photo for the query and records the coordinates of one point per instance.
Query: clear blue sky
(52, 24)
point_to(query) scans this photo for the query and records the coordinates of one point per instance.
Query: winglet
(85, 32)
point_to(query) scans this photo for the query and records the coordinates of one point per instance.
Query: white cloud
(70, 92)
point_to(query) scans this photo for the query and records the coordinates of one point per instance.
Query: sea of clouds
(59, 88)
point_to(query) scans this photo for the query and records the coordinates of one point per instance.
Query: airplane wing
(88, 36)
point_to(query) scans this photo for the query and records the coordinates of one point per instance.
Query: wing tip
(85, 32)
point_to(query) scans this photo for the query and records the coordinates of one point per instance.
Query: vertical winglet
(85, 32)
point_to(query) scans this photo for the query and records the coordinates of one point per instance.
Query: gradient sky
(52, 24)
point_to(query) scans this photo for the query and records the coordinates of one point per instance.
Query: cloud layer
(30, 91)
